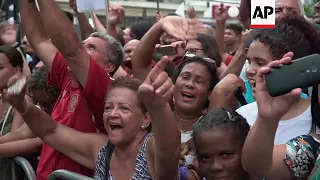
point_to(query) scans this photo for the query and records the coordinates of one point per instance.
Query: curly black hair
(291, 34)
(237, 28)
(38, 81)
(222, 118)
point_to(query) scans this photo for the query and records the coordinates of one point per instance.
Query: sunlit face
(219, 155)
(259, 55)
(96, 48)
(122, 116)
(192, 88)
(6, 70)
(44, 100)
(287, 7)
(195, 47)
(230, 37)
(129, 49)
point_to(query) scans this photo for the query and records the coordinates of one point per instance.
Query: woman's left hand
(157, 88)
(14, 94)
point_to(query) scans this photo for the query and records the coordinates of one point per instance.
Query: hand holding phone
(301, 73)
(167, 50)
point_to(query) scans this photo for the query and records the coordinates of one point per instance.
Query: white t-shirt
(287, 129)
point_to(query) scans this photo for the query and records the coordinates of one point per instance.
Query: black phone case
(301, 73)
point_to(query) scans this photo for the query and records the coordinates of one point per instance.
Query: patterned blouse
(141, 171)
(302, 154)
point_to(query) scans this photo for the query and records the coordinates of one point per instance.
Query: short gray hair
(115, 50)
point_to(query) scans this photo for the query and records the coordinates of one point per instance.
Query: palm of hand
(175, 24)
(272, 108)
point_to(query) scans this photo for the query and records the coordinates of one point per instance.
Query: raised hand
(157, 88)
(274, 108)
(221, 13)
(180, 28)
(16, 91)
(116, 14)
(159, 16)
(191, 12)
(228, 86)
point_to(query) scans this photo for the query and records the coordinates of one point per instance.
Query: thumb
(294, 95)
(146, 93)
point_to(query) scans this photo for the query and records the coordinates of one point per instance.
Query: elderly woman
(130, 146)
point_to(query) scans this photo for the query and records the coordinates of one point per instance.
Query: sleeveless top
(141, 171)
(5, 163)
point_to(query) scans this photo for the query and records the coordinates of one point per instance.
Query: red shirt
(228, 60)
(77, 108)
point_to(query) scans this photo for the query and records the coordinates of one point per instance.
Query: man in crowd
(78, 69)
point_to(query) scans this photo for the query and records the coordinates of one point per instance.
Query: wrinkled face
(122, 115)
(9, 35)
(129, 49)
(192, 88)
(219, 155)
(230, 37)
(195, 47)
(127, 35)
(259, 56)
(6, 70)
(287, 7)
(44, 100)
(96, 48)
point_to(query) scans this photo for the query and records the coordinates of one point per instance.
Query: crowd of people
(108, 107)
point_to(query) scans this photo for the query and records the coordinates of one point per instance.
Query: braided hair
(225, 118)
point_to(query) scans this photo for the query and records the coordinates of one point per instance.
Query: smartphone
(166, 50)
(301, 73)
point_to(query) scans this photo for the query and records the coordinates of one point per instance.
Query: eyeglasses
(193, 50)
(209, 60)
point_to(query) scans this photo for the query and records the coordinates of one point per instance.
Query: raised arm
(176, 27)
(58, 136)
(156, 91)
(221, 15)
(63, 36)
(83, 20)
(98, 25)
(34, 30)
(236, 63)
(245, 13)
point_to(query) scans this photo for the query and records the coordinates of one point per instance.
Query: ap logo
(263, 14)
